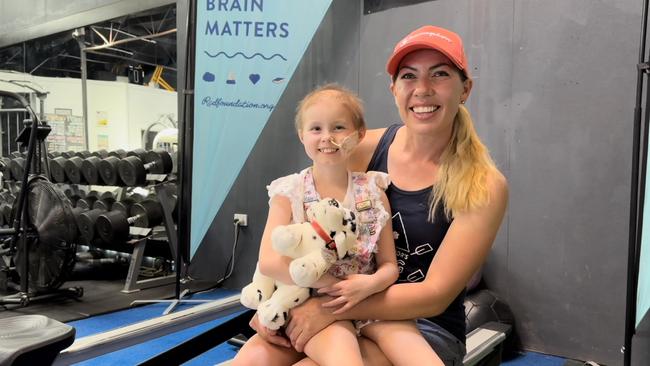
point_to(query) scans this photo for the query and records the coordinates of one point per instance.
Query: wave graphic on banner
(246, 52)
(245, 56)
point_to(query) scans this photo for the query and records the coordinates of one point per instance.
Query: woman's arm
(464, 248)
(361, 155)
(385, 257)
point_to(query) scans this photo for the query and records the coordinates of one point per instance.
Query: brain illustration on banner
(246, 53)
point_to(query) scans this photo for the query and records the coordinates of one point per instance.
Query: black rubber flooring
(101, 294)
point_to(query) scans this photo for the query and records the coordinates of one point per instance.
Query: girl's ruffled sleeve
(379, 181)
(290, 187)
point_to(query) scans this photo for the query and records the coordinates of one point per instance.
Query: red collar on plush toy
(329, 242)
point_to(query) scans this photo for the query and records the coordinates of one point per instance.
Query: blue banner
(246, 53)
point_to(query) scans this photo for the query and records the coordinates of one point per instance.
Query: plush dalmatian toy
(329, 234)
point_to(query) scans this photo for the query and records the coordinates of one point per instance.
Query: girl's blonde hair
(464, 167)
(348, 98)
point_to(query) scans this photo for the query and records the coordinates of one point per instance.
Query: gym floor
(101, 294)
(144, 351)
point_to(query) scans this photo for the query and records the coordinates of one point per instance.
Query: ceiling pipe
(79, 35)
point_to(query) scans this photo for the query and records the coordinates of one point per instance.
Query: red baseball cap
(429, 37)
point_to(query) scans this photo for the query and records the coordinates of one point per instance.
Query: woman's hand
(267, 334)
(307, 320)
(348, 292)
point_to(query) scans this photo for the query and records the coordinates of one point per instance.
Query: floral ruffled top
(362, 197)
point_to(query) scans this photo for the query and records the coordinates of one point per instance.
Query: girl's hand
(348, 292)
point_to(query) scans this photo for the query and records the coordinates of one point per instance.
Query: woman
(447, 197)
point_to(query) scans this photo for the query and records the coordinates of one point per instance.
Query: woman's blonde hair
(464, 167)
(348, 98)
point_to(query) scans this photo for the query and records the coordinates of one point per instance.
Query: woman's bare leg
(402, 343)
(257, 351)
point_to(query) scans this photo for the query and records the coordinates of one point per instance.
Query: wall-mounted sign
(246, 53)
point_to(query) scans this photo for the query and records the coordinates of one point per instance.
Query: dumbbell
(7, 196)
(5, 168)
(57, 170)
(6, 206)
(119, 153)
(74, 195)
(86, 219)
(72, 168)
(68, 154)
(5, 214)
(17, 167)
(125, 203)
(90, 167)
(87, 200)
(108, 166)
(83, 154)
(113, 226)
(133, 169)
(90, 170)
(100, 153)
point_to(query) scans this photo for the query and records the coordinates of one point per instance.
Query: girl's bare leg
(402, 343)
(257, 351)
(335, 345)
(372, 355)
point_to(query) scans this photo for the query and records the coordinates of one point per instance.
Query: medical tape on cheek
(346, 142)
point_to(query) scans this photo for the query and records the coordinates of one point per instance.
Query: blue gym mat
(141, 352)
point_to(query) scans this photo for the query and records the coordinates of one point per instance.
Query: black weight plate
(103, 153)
(119, 153)
(4, 168)
(104, 204)
(57, 172)
(112, 227)
(90, 170)
(163, 163)
(72, 169)
(149, 213)
(86, 223)
(139, 153)
(131, 170)
(108, 171)
(17, 167)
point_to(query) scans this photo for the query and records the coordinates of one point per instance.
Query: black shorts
(450, 350)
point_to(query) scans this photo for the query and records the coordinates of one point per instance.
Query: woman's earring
(462, 102)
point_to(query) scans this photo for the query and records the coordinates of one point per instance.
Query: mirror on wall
(129, 83)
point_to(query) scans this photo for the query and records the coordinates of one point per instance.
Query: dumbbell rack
(132, 284)
(106, 169)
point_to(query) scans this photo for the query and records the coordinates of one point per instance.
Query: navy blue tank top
(416, 239)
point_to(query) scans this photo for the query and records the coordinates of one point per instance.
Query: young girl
(330, 124)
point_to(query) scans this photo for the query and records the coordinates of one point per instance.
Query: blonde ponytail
(464, 167)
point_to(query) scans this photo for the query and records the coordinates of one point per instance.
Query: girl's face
(427, 90)
(328, 132)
